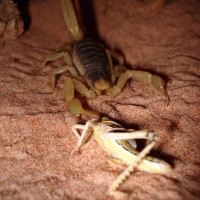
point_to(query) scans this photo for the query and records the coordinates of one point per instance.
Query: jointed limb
(151, 136)
(147, 77)
(75, 129)
(117, 70)
(113, 188)
(131, 135)
(74, 105)
(113, 78)
(61, 70)
(69, 67)
(53, 57)
(85, 134)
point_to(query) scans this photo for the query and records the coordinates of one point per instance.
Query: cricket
(120, 143)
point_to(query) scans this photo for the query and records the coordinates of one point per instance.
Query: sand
(35, 126)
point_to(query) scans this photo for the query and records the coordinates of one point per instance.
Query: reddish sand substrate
(35, 127)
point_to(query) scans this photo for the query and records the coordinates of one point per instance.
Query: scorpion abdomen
(91, 61)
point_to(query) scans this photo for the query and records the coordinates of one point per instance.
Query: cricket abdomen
(91, 61)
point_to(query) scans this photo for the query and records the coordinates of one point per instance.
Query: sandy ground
(35, 127)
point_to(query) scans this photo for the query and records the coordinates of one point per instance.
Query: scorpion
(91, 67)
(120, 143)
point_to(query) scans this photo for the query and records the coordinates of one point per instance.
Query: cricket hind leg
(113, 190)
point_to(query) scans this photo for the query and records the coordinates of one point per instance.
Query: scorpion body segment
(92, 63)
(71, 14)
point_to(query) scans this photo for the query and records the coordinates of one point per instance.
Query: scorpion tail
(71, 13)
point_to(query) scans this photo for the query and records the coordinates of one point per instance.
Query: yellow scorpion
(90, 67)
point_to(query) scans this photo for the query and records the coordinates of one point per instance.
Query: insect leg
(75, 129)
(86, 132)
(123, 176)
(131, 135)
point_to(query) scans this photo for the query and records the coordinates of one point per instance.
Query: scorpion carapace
(90, 66)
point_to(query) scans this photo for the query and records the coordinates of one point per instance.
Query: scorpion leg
(113, 78)
(55, 56)
(69, 67)
(48, 59)
(61, 70)
(74, 105)
(119, 69)
(147, 77)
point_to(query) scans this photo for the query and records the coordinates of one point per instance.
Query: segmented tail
(71, 15)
